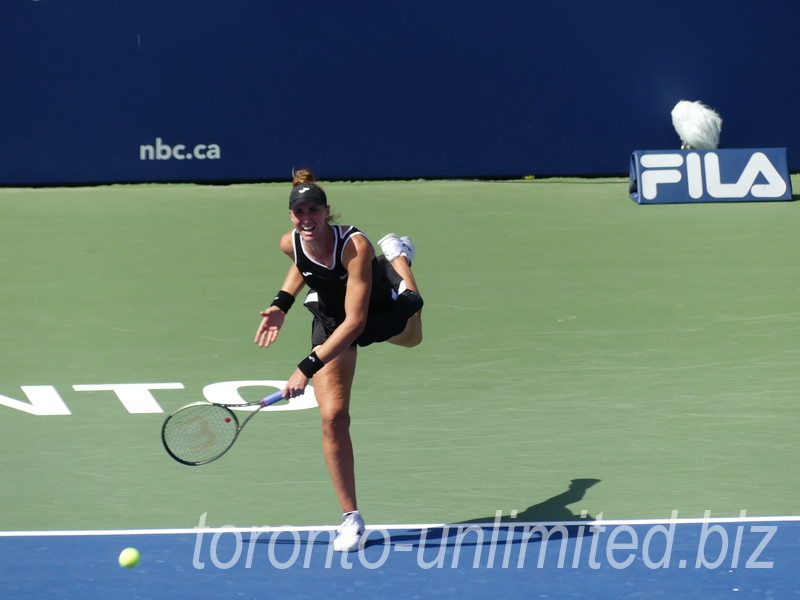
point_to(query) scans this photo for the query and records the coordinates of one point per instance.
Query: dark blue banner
(246, 90)
(679, 176)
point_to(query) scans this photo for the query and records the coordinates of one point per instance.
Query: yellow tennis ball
(129, 558)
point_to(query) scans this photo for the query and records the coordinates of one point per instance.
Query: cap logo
(304, 190)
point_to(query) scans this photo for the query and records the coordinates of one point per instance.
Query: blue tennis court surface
(691, 558)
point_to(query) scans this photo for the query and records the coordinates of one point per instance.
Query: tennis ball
(129, 558)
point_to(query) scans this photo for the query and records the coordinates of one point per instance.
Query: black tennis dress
(390, 304)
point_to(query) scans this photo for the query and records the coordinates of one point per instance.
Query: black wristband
(310, 365)
(284, 301)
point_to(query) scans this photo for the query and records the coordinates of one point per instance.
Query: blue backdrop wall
(239, 90)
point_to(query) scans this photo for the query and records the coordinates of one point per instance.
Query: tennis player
(356, 299)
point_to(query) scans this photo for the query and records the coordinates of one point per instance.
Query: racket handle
(272, 398)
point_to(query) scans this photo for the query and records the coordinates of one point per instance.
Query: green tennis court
(570, 334)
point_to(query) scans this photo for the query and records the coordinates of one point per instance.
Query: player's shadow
(553, 512)
(552, 509)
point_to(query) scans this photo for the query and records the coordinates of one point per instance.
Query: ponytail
(303, 176)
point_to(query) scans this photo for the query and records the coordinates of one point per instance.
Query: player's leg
(332, 385)
(403, 268)
(412, 334)
(400, 251)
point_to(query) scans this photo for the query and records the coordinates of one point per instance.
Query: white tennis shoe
(350, 532)
(393, 246)
(410, 250)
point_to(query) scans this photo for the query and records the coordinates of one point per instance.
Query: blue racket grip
(272, 398)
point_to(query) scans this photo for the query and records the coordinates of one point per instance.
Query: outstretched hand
(271, 324)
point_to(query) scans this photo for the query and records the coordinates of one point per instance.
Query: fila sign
(736, 175)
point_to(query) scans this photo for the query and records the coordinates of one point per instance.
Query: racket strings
(200, 433)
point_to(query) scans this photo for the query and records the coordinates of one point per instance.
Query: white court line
(398, 527)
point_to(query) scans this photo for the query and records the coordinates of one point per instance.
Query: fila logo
(703, 176)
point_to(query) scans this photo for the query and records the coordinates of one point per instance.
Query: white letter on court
(227, 392)
(44, 400)
(136, 397)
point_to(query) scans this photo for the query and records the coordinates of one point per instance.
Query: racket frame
(264, 402)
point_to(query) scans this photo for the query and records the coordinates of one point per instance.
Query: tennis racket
(199, 433)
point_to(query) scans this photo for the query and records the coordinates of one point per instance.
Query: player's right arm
(272, 317)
